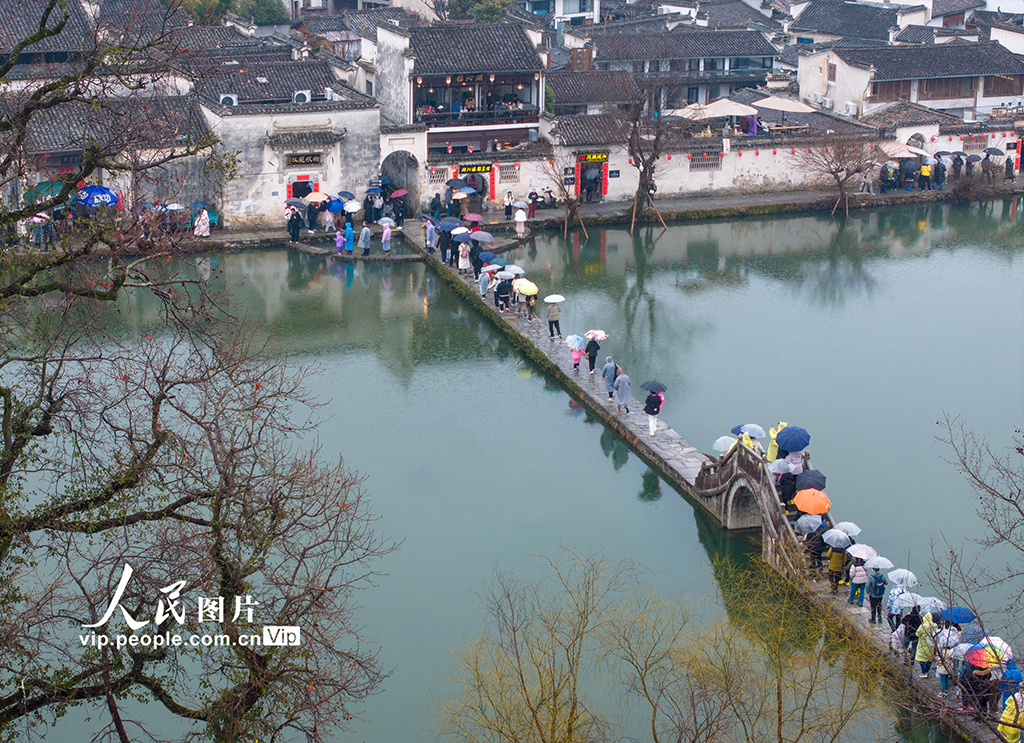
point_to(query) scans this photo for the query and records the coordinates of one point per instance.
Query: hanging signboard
(301, 159)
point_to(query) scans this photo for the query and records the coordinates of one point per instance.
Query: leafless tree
(840, 160)
(162, 450)
(565, 193)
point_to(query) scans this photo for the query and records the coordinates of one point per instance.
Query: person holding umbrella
(836, 562)
(576, 347)
(858, 582)
(465, 264)
(520, 223)
(554, 319)
(591, 350)
(652, 406)
(958, 165)
(877, 583)
(294, 224)
(509, 199)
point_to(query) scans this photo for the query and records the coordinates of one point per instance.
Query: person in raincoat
(385, 239)
(892, 614)
(911, 624)
(483, 281)
(925, 652)
(591, 350)
(339, 241)
(577, 355)
(945, 643)
(350, 238)
(652, 406)
(608, 372)
(773, 446)
(836, 562)
(202, 228)
(623, 396)
(364, 238)
(1012, 719)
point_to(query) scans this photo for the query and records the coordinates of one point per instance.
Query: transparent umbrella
(903, 577)
(836, 538)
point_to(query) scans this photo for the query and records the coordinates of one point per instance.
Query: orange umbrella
(812, 501)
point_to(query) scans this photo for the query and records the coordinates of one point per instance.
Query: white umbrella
(491, 267)
(753, 430)
(517, 270)
(719, 109)
(505, 275)
(780, 466)
(807, 523)
(723, 443)
(836, 538)
(903, 577)
(897, 150)
(459, 231)
(931, 605)
(352, 206)
(850, 528)
(919, 151)
(554, 298)
(862, 552)
(790, 105)
(907, 600)
(882, 563)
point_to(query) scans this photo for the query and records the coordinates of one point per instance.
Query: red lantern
(721, 154)
(433, 169)
(630, 161)
(792, 152)
(449, 149)
(517, 165)
(689, 156)
(739, 154)
(775, 152)
(669, 157)
(470, 148)
(951, 139)
(933, 139)
(757, 152)
(705, 154)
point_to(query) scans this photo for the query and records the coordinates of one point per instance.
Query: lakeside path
(676, 209)
(678, 461)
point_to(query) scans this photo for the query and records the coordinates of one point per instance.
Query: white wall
(851, 84)
(1012, 40)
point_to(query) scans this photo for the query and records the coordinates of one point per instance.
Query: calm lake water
(866, 334)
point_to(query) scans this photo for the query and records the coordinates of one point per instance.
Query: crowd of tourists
(932, 173)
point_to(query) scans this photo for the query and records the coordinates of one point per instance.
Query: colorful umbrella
(807, 523)
(983, 656)
(400, 192)
(836, 538)
(597, 335)
(862, 552)
(473, 217)
(554, 298)
(97, 196)
(849, 527)
(793, 438)
(903, 577)
(723, 443)
(500, 261)
(574, 342)
(811, 500)
(526, 288)
(751, 429)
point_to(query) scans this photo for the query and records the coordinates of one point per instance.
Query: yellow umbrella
(525, 287)
(317, 197)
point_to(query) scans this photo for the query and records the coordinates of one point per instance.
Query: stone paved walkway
(666, 443)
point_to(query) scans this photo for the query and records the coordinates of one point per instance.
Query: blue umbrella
(197, 205)
(334, 206)
(793, 438)
(467, 189)
(375, 190)
(972, 634)
(487, 256)
(346, 195)
(463, 238)
(958, 615)
(446, 226)
(384, 179)
(751, 429)
(427, 217)
(97, 196)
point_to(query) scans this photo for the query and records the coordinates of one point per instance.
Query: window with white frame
(508, 173)
(438, 176)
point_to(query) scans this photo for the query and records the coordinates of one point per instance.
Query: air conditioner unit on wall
(302, 96)
(851, 108)
(228, 99)
(816, 97)
(827, 103)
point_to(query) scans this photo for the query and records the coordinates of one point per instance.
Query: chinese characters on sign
(475, 168)
(300, 159)
(591, 157)
(469, 78)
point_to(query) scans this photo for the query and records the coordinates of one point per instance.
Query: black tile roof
(928, 34)
(21, 18)
(275, 82)
(987, 17)
(680, 44)
(952, 7)
(472, 48)
(837, 18)
(904, 113)
(647, 24)
(737, 14)
(594, 86)
(595, 129)
(362, 22)
(953, 59)
(315, 138)
(116, 124)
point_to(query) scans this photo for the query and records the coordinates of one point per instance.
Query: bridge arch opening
(741, 508)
